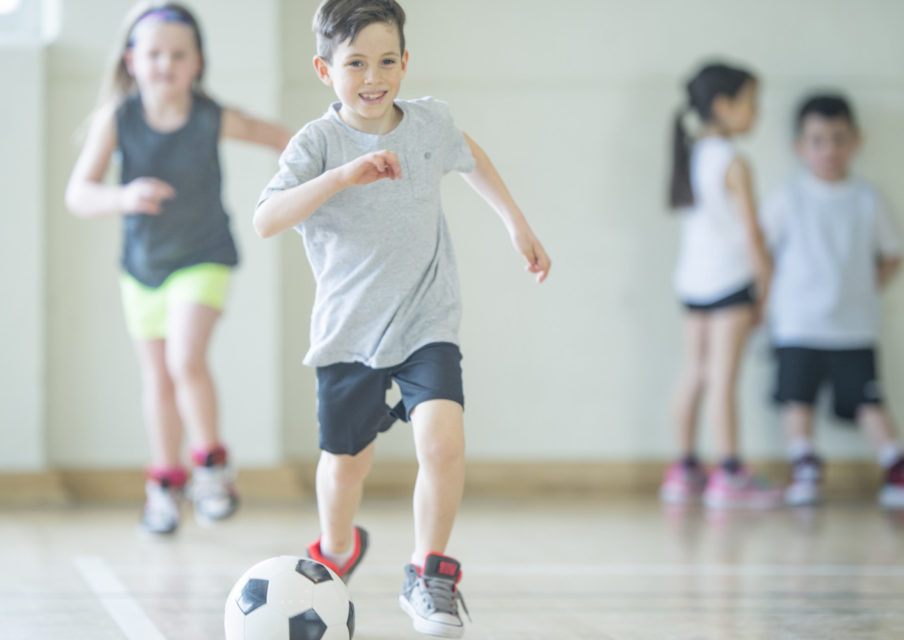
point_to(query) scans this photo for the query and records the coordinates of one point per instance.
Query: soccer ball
(289, 598)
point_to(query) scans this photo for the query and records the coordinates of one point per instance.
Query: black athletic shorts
(351, 397)
(851, 373)
(746, 295)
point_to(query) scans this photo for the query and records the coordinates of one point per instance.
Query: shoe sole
(891, 498)
(428, 626)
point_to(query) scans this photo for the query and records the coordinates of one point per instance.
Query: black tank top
(193, 227)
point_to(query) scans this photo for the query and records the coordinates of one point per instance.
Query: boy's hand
(372, 167)
(528, 246)
(145, 195)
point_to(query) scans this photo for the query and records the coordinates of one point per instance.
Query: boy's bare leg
(340, 485)
(798, 420)
(690, 385)
(877, 425)
(440, 444)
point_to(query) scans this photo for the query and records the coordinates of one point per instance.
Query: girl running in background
(178, 250)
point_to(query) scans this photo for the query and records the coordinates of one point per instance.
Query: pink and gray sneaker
(683, 484)
(739, 490)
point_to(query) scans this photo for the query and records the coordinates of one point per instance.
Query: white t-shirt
(381, 253)
(826, 238)
(714, 259)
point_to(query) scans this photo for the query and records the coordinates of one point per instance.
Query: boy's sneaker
(891, 496)
(430, 596)
(740, 490)
(345, 571)
(212, 487)
(161, 510)
(806, 481)
(683, 484)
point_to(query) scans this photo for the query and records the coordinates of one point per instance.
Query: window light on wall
(29, 22)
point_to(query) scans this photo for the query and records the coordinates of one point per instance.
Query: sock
(167, 477)
(212, 457)
(732, 464)
(690, 461)
(889, 454)
(800, 448)
(339, 559)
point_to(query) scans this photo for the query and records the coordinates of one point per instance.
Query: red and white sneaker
(212, 487)
(430, 596)
(345, 571)
(682, 484)
(740, 490)
(891, 495)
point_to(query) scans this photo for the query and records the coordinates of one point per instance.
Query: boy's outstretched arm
(291, 207)
(485, 180)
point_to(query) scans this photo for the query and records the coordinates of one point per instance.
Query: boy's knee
(442, 452)
(343, 469)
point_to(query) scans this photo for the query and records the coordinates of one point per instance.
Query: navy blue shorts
(747, 295)
(851, 373)
(351, 397)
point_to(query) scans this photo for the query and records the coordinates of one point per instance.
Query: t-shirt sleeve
(302, 160)
(774, 216)
(888, 240)
(457, 154)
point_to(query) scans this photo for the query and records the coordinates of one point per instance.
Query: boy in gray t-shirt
(361, 186)
(834, 246)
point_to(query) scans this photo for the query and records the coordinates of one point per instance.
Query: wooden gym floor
(602, 568)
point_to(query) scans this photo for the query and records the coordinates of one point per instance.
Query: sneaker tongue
(442, 567)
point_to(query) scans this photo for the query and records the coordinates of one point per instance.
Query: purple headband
(163, 14)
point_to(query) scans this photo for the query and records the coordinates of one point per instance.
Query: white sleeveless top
(714, 259)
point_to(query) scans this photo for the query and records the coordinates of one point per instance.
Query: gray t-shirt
(381, 253)
(826, 238)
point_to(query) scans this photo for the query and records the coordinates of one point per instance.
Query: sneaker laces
(445, 596)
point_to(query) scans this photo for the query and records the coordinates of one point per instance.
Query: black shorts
(745, 295)
(351, 397)
(851, 372)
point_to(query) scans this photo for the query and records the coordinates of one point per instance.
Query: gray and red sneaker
(345, 571)
(430, 596)
(891, 495)
(741, 490)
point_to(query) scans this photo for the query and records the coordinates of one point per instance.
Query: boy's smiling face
(366, 75)
(827, 145)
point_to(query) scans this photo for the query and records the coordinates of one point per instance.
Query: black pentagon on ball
(351, 619)
(306, 626)
(253, 595)
(313, 571)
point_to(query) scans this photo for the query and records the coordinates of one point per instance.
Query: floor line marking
(116, 599)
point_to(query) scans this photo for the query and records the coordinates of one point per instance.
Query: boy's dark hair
(712, 81)
(828, 105)
(337, 21)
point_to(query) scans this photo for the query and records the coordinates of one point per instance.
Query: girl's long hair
(118, 83)
(711, 81)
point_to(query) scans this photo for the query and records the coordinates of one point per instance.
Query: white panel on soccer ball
(266, 622)
(234, 620)
(331, 602)
(290, 593)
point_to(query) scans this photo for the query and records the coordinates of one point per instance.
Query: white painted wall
(22, 258)
(573, 103)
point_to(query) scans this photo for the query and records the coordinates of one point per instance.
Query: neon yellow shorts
(146, 308)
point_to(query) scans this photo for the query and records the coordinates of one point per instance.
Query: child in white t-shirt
(834, 247)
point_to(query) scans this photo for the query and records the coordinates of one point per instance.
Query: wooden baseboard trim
(484, 478)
